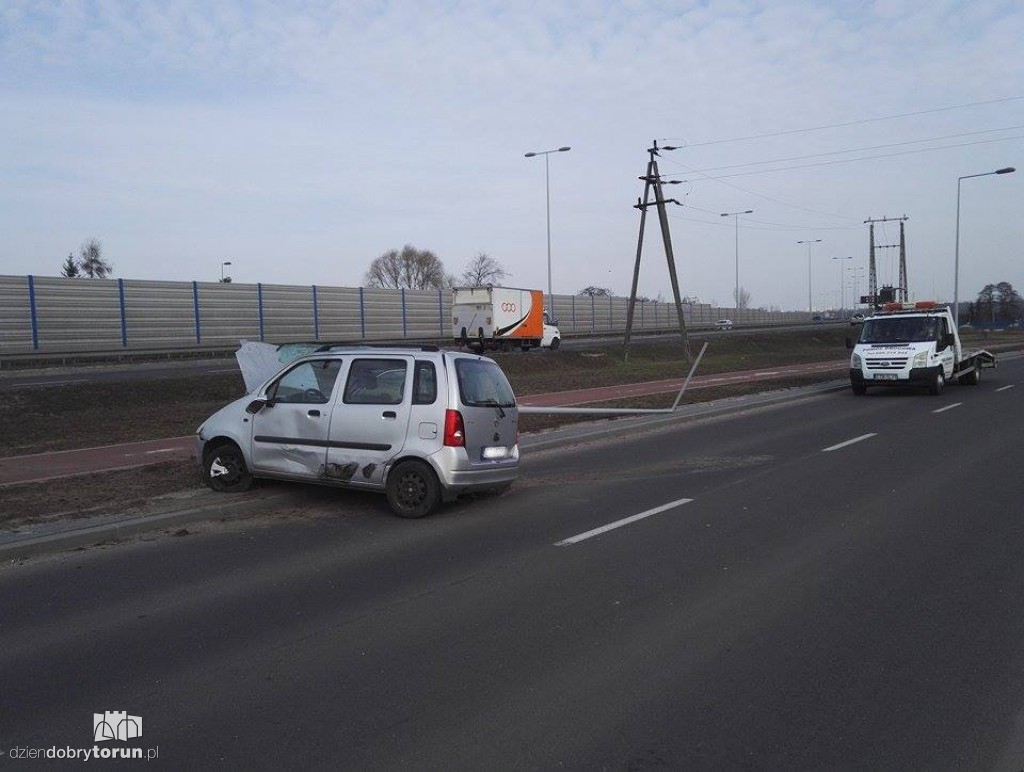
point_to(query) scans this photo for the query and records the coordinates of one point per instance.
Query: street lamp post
(808, 242)
(547, 196)
(736, 216)
(842, 288)
(222, 267)
(956, 260)
(855, 274)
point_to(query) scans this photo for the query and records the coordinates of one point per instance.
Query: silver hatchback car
(418, 424)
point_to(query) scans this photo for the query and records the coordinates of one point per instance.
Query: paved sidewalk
(41, 467)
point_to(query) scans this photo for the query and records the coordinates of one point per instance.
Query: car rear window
(483, 384)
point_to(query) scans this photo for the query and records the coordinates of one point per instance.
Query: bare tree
(69, 270)
(743, 301)
(483, 269)
(409, 269)
(595, 292)
(91, 262)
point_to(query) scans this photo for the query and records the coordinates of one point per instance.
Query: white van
(418, 424)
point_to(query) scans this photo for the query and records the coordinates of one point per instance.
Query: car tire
(973, 378)
(859, 389)
(555, 343)
(938, 383)
(224, 469)
(413, 490)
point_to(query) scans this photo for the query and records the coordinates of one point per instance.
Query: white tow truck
(913, 344)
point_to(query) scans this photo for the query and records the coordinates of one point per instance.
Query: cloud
(180, 132)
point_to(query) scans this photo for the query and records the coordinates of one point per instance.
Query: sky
(300, 140)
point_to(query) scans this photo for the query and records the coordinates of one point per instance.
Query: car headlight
(920, 359)
(855, 362)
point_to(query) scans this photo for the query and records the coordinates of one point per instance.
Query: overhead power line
(848, 123)
(858, 149)
(862, 158)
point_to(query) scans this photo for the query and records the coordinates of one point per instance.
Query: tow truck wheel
(859, 389)
(938, 383)
(973, 378)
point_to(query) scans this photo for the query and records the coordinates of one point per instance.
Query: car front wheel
(224, 469)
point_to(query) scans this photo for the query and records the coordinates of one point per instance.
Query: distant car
(818, 319)
(856, 319)
(724, 324)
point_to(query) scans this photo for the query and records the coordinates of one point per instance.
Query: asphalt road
(832, 583)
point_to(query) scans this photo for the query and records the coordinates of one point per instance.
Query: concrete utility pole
(652, 181)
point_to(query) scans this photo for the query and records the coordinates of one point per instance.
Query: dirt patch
(93, 495)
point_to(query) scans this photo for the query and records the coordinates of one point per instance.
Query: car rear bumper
(458, 475)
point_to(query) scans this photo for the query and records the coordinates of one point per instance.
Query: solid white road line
(1004, 388)
(948, 407)
(619, 523)
(848, 442)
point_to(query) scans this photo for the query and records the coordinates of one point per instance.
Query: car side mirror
(948, 340)
(256, 406)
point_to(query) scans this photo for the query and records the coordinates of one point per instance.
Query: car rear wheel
(413, 490)
(973, 378)
(224, 469)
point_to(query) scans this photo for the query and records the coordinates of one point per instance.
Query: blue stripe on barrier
(195, 310)
(124, 321)
(362, 314)
(32, 312)
(259, 300)
(316, 316)
(405, 328)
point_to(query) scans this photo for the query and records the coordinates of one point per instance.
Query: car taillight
(454, 429)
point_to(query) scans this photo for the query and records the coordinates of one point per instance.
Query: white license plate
(886, 376)
(496, 452)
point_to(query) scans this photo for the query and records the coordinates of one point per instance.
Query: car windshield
(483, 384)
(894, 329)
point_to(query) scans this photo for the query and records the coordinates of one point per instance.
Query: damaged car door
(290, 432)
(370, 420)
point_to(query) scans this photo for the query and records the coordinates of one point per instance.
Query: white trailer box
(500, 318)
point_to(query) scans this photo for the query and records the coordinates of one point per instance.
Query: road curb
(89, 535)
(595, 431)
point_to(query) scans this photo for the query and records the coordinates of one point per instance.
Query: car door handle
(313, 413)
(389, 414)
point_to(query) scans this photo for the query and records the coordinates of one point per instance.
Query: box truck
(501, 318)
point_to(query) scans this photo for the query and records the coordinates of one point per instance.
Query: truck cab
(913, 344)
